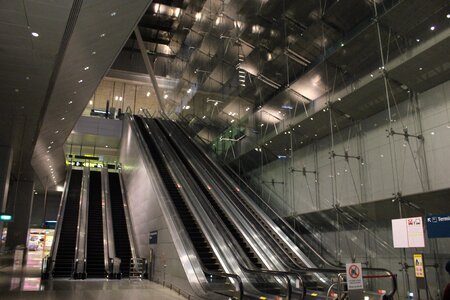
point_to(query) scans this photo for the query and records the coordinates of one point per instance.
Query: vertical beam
(150, 70)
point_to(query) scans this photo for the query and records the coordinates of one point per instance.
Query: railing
(45, 271)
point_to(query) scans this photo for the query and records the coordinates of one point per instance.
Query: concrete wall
(385, 168)
(146, 215)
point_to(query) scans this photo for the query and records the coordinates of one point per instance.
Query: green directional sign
(6, 218)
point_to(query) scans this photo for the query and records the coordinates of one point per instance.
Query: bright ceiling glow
(189, 91)
(113, 14)
(91, 102)
(432, 28)
(166, 96)
(102, 35)
(80, 81)
(198, 16)
(59, 188)
(148, 94)
(62, 119)
(86, 68)
(35, 34)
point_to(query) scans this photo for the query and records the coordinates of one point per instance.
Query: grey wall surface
(387, 167)
(146, 214)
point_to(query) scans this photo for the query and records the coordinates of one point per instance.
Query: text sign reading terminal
(438, 226)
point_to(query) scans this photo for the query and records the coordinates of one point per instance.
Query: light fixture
(113, 14)
(106, 146)
(432, 28)
(35, 34)
(204, 117)
(116, 98)
(80, 81)
(448, 16)
(86, 68)
(312, 119)
(432, 133)
(148, 94)
(93, 52)
(420, 69)
(49, 147)
(62, 119)
(57, 131)
(187, 107)
(70, 102)
(91, 102)
(342, 44)
(51, 142)
(189, 91)
(27, 78)
(198, 16)
(120, 98)
(166, 96)
(417, 40)
(232, 121)
(247, 109)
(102, 35)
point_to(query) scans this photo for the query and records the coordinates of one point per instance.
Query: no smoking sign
(354, 276)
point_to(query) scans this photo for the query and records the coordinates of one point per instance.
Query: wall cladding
(146, 214)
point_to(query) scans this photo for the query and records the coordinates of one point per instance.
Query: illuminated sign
(6, 218)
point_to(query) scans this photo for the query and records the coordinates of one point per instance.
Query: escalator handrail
(231, 239)
(202, 267)
(60, 219)
(338, 267)
(210, 210)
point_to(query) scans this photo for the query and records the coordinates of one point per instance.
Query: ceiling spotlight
(189, 91)
(232, 121)
(247, 109)
(113, 14)
(148, 94)
(35, 34)
(27, 78)
(187, 107)
(62, 119)
(93, 52)
(91, 102)
(204, 117)
(448, 16)
(432, 28)
(166, 96)
(106, 146)
(80, 81)
(417, 40)
(70, 102)
(312, 119)
(102, 35)
(116, 98)
(49, 147)
(57, 131)
(86, 68)
(120, 98)
(420, 69)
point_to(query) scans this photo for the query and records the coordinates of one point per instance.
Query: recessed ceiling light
(204, 117)
(420, 69)
(247, 109)
(16, 90)
(448, 16)
(417, 40)
(102, 35)
(57, 131)
(432, 133)
(80, 81)
(51, 142)
(113, 14)
(49, 147)
(70, 102)
(432, 28)
(35, 34)
(148, 94)
(312, 118)
(166, 96)
(91, 102)
(86, 68)
(106, 146)
(27, 78)
(62, 119)
(189, 91)
(93, 52)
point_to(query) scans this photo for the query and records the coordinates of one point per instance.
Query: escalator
(255, 262)
(95, 263)
(203, 249)
(68, 236)
(121, 238)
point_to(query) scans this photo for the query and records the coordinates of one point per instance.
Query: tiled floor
(24, 283)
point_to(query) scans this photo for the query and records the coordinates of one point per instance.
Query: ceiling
(257, 63)
(53, 54)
